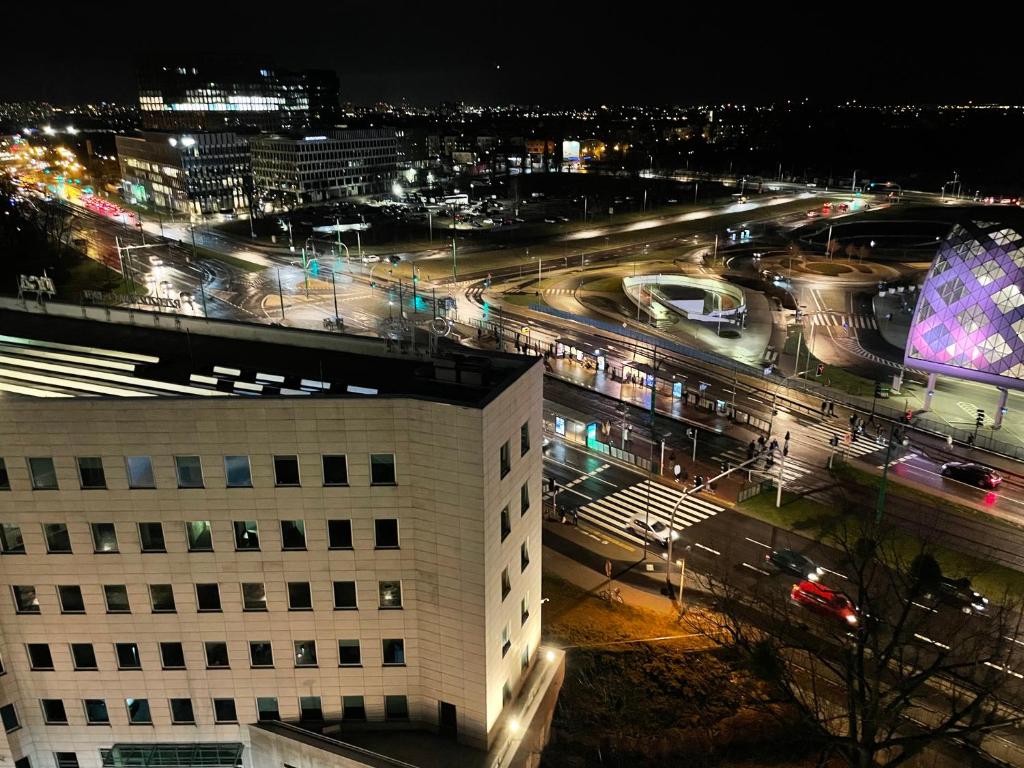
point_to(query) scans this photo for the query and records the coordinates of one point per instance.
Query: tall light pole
(853, 186)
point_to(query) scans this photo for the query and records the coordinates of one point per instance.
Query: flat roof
(58, 350)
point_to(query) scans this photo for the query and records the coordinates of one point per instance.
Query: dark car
(972, 474)
(796, 563)
(960, 594)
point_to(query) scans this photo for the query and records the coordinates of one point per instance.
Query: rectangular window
(293, 534)
(524, 438)
(261, 653)
(345, 595)
(310, 708)
(393, 652)
(151, 537)
(9, 718)
(208, 597)
(11, 542)
(25, 599)
(58, 541)
(390, 594)
(66, 759)
(5, 481)
(39, 657)
(83, 656)
(339, 534)
(353, 708)
(506, 584)
(524, 498)
(162, 598)
(54, 712)
(190, 471)
(172, 655)
(524, 609)
(286, 471)
(96, 712)
(90, 472)
(267, 709)
(506, 639)
(247, 535)
(504, 459)
(305, 653)
(506, 523)
(396, 708)
(348, 653)
(254, 597)
(382, 469)
(224, 711)
(335, 469)
(524, 556)
(237, 472)
(140, 472)
(138, 712)
(199, 535)
(506, 693)
(217, 655)
(116, 597)
(104, 538)
(300, 597)
(127, 656)
(43, 474)
(385, 533)
(182, 712)
(524, 659)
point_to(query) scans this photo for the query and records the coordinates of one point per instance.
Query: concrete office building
(211, 530)
(296, 170)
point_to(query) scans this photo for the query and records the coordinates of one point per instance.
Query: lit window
(305, 653)
(199, 535)
(390, 593)
(25, 599)
(104, 538)
(254, 597)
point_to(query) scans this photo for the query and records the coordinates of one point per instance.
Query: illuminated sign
(559, 426)
(571, 151)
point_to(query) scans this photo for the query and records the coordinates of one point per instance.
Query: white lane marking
(755, 568)
(708, 549)
(834, 573)
(759, 543)
(933, 642)
(1013, 640)
(1007, 670)
(924, 607)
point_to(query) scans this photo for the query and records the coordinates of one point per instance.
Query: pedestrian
(751, 449)
(970, 440)
(824, 407)
(774, 446)
(853, 420)
(787, 436)
(831, 408)
(761, 441)
(677, 471)
(785, 450)
(949, 441)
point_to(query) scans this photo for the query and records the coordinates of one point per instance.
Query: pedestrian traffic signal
(821, 369)
(878, 389)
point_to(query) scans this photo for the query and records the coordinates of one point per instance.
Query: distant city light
(72, 130)
(187, 141)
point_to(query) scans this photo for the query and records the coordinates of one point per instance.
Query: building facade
(338, 163)
(193, 173)
(206, 530)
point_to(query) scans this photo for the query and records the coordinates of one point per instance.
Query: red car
(826, 601)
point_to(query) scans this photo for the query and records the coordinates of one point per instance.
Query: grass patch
(827, 268)
(607, 284)
(833, 376)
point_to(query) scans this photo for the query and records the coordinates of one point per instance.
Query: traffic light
(821, 369)
(878, 389)
(689, 432)
(980, 418)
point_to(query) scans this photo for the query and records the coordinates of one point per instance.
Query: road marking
(755, 568)
(707, 549)
(834, 573)
(1013, 640)
(923, 607)
(933, 642)
(1007, 670)
(759, 543)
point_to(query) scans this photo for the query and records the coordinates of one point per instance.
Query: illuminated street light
(48, 130)
(72, 130)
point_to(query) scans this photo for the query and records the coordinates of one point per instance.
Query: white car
(655, 531)
(371, 258)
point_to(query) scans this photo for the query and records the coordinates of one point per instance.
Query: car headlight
(851, 618)
(813, 577)
(820, 571)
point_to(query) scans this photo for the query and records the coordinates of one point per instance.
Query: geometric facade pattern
(969, 320)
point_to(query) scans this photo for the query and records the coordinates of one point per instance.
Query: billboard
(571, 151)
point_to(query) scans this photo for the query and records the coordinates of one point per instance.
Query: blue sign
(559, 426)
(677, 389)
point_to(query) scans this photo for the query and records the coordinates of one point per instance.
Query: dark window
(190, 471)
(524, 659)
(310, 708)
(22, 762)
(339, 534)
(96, 712)
(261, 653)
(524, 439)
(305, 653)
(300, 598)
(524, 499)
(11, 542)
(57, 539)
(524, 609)
(286, 470)
(43, 474)
(54, 712)
(506, 523)
(83, 656)
(200, 536)
(127, 656)
(217, 655)
(151, 537)
(25, 599)
(224, 711)
(504, 459)
(394, 652)
(506, 693)
(254, 597)
(237, 472)
(382, 469)
(181, 712)
(208, 597)
(524, 557)
(90, 471)
(348, 653)
(506, 584)
(138, 712)
(247, 535)
(140, 472)
(9, 718)
(396, 708)
(116, 596)
(386, 533)
(66, 759)
(162, 597)
(335, 470)
(172, 656)
(39, 656)
(506, 640)
(353, 708)
(104, 538)
(267, 709)
(390, 594)
(5, 481)
(293, 534)
(345, 595)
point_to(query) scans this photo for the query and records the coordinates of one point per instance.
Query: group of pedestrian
(828, 408)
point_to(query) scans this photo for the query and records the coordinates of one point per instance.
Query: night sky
(542, 53)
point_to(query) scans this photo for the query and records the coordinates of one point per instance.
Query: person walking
(831, 408)
(824, 407)
(949, 441)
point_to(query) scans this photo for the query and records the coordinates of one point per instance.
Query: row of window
(172, 655)
(198, 536)
(189, 471)
(506, 515)
(182, 712)
(504, 452)
(208, 597)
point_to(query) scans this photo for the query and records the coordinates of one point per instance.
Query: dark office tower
(312, 96)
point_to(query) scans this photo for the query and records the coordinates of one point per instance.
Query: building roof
(67, 351)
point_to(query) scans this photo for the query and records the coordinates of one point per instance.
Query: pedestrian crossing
(844, 321)
(559, 291)
(615, 511)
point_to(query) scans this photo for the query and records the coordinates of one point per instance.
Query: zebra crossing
(559, 291)
(615, 511)
(844, 321)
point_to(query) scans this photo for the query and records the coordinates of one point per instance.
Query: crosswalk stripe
(616, 510)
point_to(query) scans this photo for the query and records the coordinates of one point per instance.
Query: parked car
(825, 601)
(796, 563)
(653, 531)
(960, 594)
(972, 474)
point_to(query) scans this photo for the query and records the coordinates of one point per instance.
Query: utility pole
(880, 507)
(782, 468)
(280, 292)
(334, 285)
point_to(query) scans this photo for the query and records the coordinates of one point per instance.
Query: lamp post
(880, 506)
